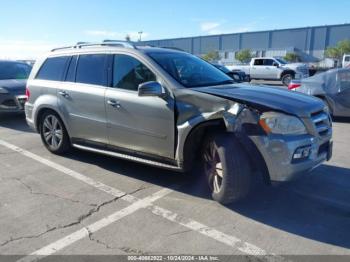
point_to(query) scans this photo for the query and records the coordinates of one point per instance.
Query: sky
(29, 28)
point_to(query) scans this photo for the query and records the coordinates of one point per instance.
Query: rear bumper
(279, 151)
(28, 108)
(10, 103)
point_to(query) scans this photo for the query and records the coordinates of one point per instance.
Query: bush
(292, 57)
(211, 56)
(244, 55)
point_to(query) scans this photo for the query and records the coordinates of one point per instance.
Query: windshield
(281, 61)
(190, 70)
(11, 70)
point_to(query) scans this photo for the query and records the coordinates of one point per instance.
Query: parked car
(270, 68)
(173, 110)
(333, 87)
(13, 77)
(237, 75)
(346, 61)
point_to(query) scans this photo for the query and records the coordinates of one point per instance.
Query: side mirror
(152, 88)
(276, 64)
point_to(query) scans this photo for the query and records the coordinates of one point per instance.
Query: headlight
(3, 91)
(278, 123)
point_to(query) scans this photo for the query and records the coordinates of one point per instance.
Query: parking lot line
(87, 230)
(100, 186)
(212, 233)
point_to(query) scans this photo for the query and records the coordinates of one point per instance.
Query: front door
(141, 124)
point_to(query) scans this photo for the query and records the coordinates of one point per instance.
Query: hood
(267, 98)
(14, 86)
(295, 65)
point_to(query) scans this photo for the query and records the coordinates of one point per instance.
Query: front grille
(322, 122)
(304, 71)
(9, 103)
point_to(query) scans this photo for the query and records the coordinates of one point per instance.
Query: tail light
(292, 86)
(27, 93)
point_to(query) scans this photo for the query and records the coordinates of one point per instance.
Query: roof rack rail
(103, 43)
(127, 44)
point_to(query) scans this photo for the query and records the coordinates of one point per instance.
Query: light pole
(140, 36)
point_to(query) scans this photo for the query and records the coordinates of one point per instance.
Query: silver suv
(173, 110)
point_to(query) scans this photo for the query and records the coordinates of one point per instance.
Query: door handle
(113, 103)
(63, 93)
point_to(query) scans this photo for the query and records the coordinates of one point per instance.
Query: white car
(346, 61)
(271, 68)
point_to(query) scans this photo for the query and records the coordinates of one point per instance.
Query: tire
(226, 168)
(286, 79)
(53, 133)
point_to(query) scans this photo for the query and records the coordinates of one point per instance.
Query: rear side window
(91, 69)
(259, 62)
(53, 68)
(71, 69)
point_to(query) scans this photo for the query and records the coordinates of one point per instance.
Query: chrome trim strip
(128, 157)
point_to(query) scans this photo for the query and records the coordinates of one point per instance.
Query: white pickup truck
(270, 68)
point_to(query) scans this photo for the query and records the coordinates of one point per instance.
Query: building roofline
(248, 32)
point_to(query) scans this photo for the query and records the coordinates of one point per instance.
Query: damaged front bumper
(289, 156)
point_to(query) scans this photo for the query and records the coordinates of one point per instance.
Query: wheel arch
(44, 109)
(287, 71)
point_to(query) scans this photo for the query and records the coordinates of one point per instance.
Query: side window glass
(258, 62)
(91, 69)
(129, 73)
(268, 62)
(71, 69)
(53, 68)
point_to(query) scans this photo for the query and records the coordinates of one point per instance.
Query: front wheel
(226, 167)
(286, 79)
(53, 133)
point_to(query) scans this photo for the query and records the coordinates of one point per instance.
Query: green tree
(337, 51)
(244, 55)
(211, 56)
(292, 57)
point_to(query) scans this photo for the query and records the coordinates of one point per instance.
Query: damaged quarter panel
(194, 108)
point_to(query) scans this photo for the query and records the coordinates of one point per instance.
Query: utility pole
(140, 36)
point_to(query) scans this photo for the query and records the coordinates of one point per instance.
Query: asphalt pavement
(88, 204)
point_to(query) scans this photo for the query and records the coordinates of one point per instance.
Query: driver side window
(129, 72)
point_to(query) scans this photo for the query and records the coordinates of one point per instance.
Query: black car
(13, 78)
(237, 75)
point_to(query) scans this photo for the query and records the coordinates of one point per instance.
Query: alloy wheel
(52, 131)
(213, 168)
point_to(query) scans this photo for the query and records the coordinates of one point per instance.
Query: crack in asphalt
(79, 220)
(31, 190)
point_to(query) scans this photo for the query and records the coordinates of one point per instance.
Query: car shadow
(15, 121)
(316, 206)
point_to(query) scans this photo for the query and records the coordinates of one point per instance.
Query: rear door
(81, 98)
(257, 68)
(142, 124)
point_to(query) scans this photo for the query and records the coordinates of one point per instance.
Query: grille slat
(322, 122)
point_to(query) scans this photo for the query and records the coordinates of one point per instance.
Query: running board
(128, 157)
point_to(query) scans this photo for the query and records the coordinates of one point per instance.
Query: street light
(140, 36)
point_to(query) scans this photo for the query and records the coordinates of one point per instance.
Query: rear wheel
(226, 167)
(53, 133)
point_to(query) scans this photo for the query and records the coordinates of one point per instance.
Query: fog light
(302, 153)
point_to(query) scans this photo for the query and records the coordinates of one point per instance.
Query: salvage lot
(44, 198)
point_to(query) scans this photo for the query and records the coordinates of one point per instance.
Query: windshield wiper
(226, 82)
